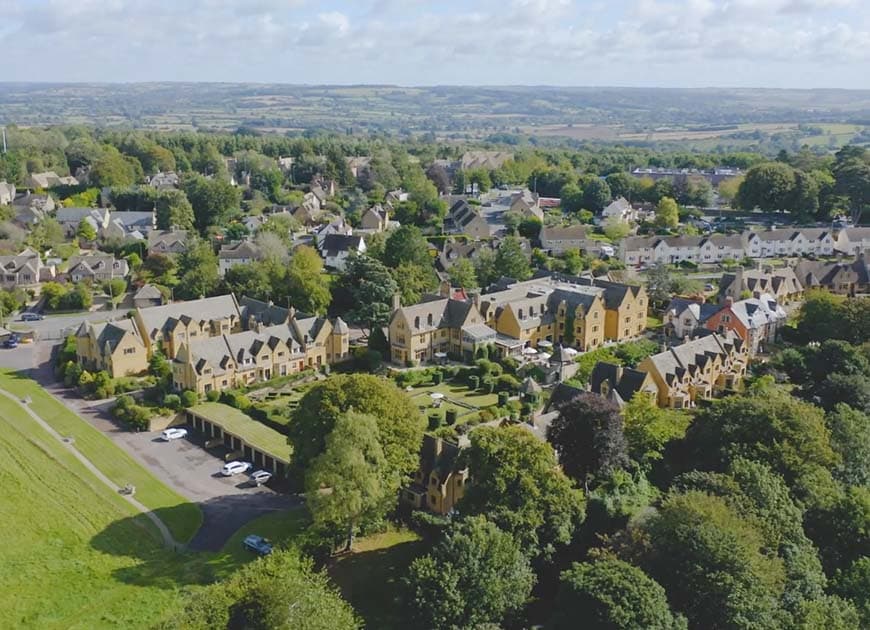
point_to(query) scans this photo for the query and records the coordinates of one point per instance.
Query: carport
(265, 447)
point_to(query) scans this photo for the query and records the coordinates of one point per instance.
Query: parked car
(257, 544)
(11, 342)
(260, 477)
(174, 433)
(31, 317)
(234, 468)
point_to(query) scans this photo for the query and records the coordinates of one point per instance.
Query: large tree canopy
(400, 425)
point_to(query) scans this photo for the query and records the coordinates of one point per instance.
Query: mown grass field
(183, 519)
(75, 554)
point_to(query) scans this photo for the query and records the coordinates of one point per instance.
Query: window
(416, 322)
(129, 350)
(429, 319)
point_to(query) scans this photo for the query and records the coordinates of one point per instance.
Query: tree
(349, 481)
(728, 189)
(708, 558)
(174, 211)
(199, 271)
(371, 288)
(649, 428)
(616, 229)
(400, 425)
(414, 281)
(308, 285)
(475, 575)
(115, 288)
(407, 245)
(114, 169)
(439, 177)
(829, 612)
(212, 200)
(278, 592)
(767, 186)
(622, 184)
(667, 213)
(596, 194)
(771, 426)
(479, 177)
(850, 438)
(86, 231)
(519, 488)
(610, 594)
(46, 234)
(658, 283)
(248, 280)
(511, 260)
(852, 177)
(485, 267)
(272, 248)
(842, 530)
(462, 274)
(571, 197)
(854, 584)
(588, 436)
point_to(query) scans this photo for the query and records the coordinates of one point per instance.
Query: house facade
(756, 320)
(96, 268)
(843, 278)
(699, 369)
(440, 481)
(684, 316)
(558, 240)
(782, 283)
(116, 347)
(24, 270)
(167, 242)
(241, 253)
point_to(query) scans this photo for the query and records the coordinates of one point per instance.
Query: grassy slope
(76, 555)
(73, 551)
(182, 518)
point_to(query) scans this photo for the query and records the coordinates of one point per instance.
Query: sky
(645, 43)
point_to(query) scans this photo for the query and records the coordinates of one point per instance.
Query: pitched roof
(623, 380)
(571, 233)
(148, 292)
(334, 244)
(700, 311)
(240, 250)
(218, 307)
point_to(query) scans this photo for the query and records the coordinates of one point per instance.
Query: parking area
(227, 502)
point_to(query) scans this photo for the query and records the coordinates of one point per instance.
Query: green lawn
(75, 553)
(182, 518)
(369, 577)
(459, 393)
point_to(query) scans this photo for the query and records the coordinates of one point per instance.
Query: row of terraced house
(547, 310)
(214, 343)
(715, 248)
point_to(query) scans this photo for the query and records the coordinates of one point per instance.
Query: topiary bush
(451, 417)
(189, 398)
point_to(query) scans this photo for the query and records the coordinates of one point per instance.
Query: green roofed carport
(263, 446)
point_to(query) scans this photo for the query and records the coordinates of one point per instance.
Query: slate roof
(237, 251)
(625, 381)
(109, 334)
(571, 233)
(218, 307)
(701, 312)
(265, 313)
(334, 244)
(692, 355)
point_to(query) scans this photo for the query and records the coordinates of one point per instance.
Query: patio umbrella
(529, 351)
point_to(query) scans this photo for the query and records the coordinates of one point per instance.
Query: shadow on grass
(371, 581)
(215, 550)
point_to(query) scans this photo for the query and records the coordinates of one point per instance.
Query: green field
(453, 393)
(183, 519)
(75, 553)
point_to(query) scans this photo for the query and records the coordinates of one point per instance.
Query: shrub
(235, 399)
(172, 401)
(189, 398)
(435, 420)
(508, 383)
(474, 381)
(510, 365)
(503, 398)
(488, 385)
(437, 377)
(451, 417)
(212, 395)
(486, 415)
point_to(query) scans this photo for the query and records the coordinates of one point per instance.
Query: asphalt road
(58, 326)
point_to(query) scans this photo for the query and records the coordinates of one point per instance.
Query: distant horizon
(445, 85)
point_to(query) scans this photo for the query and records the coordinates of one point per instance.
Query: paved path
(168, 540)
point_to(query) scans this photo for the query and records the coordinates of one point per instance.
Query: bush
(451, 417)
(410, 363)
(235, 399)
(510, 365)
(212, 395)
(189, 398)
(503, 398)
(474, 381)
(437, 377)
(488, 385)
(435, 420)
(486, 415)
(367, 360)
(172, 401)
(507, 383)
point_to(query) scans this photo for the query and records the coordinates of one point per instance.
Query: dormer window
(416, 322)
(429, 319)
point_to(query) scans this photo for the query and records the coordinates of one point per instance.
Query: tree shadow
(198, 562)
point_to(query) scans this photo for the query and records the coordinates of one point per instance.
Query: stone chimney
(444, 289)
(397, 301)
(729, 300)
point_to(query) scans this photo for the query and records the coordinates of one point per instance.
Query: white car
(260, 477)
(234, 468)
(173, 434)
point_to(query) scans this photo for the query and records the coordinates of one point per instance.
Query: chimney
(729, 300)
(475, 298)
(444, 289)
(619, 371)
(397, 301)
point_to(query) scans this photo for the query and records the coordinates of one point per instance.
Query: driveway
(57, 326)
(227, 503)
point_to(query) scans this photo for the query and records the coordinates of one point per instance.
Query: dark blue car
(258, 545)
